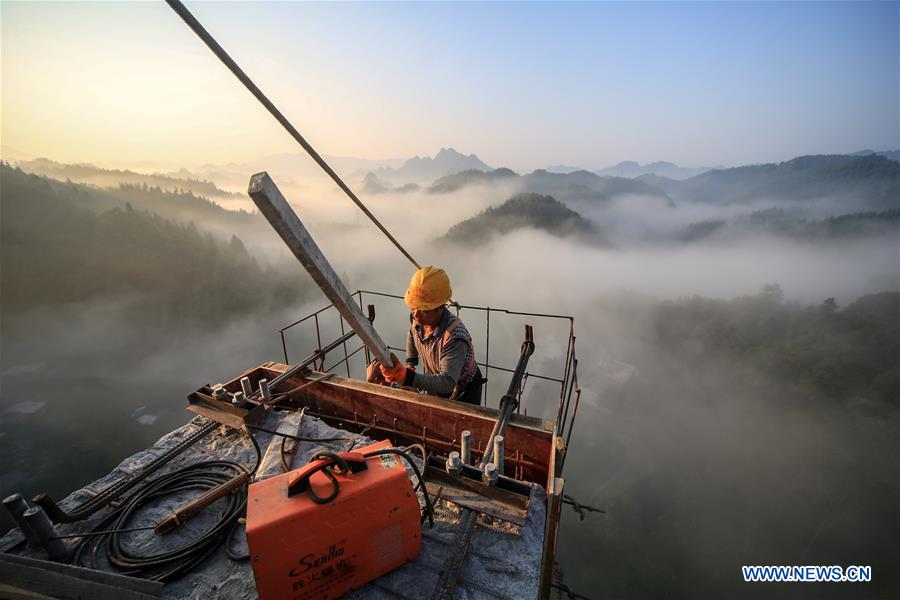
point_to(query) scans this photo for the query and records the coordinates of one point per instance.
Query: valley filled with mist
(737, 334)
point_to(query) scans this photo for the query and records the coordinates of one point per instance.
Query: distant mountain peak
(632, 169)
(371, 184)
(447, 161)
(891, 154)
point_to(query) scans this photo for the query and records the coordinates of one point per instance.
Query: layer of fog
(631, 219)
(720, 467)
(569, 272)
(642, 230)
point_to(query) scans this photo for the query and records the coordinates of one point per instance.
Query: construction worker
(439, 339)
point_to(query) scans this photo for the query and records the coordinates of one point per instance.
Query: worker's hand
(373, 373)
(396, 373)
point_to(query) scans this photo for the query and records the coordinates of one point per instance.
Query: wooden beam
(287, 224)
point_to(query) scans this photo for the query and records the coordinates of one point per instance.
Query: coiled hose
(200, 477)
(170, 565)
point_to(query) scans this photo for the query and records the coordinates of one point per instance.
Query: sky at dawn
(521, 85)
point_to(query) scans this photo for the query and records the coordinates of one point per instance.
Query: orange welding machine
(333, 525)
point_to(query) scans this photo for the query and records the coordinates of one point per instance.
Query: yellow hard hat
(428, 289)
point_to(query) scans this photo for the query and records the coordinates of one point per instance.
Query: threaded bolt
(454, 464)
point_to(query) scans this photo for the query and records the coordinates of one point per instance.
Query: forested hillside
(778, 222)
(828, 351)
(525, 211)
(860, 182)
(93, 175)
(56, 250)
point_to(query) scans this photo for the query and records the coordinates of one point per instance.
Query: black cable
(580, 508)
(421, 449)
(94, 533)
(170, 565)
(327, 469)
(298, 438)
(286, 436)
(229, 552)
(284, 462)
(223, 56)
(258, 452)
(342, 467)
(429, 508)
(568, 592)
(166, 566)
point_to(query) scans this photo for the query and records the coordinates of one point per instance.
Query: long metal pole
(273, 206)
(213, 45)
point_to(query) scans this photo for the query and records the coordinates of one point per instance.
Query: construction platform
(504, 559)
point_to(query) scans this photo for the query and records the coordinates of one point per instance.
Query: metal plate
(223, 412)
(492, 501)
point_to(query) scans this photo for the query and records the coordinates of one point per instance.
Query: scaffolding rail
(567, 380)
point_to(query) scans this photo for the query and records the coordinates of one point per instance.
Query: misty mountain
(57, 251)
(562, 169)
(93, 175)
(424, 169)
(891, 154)
(632, 169)
(579, 189)
(587, 186)
(451, 183)
(778, 222)
(666, 184)
(869, 182)
(525, 211)
(372, 184)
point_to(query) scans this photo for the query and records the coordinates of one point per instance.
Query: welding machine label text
(314, 561)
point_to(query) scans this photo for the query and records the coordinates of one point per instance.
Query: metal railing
(567, 381)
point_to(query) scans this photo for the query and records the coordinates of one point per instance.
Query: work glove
(396, 373)
(373, 373)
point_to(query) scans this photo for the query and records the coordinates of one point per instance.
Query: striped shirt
(446, 364)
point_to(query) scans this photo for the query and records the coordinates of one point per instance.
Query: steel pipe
(264, 391)
(16, 506)
(499, 454)
(246, 386)
(46, 533)
(465, 447)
